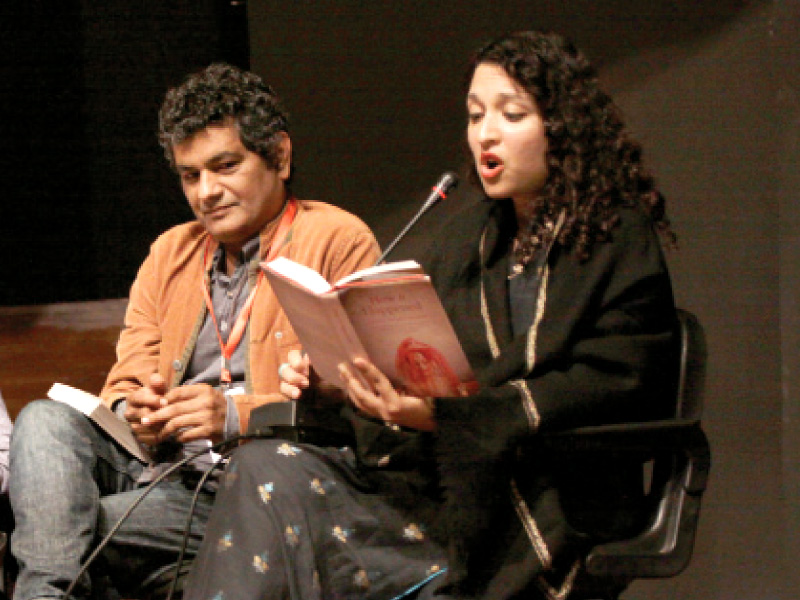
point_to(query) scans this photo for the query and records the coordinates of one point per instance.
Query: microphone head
(447, 182)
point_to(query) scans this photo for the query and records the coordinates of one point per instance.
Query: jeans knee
(43, 418)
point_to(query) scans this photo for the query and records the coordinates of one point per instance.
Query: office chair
(679, 463)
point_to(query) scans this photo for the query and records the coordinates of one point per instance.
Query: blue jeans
(70, 485)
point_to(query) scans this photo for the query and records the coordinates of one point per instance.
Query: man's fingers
(157, 384)
(188, 427)
(193, 412)
(178, 405)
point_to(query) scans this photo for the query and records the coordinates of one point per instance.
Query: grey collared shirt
(228, 296)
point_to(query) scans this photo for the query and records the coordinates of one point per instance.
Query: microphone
(446, 182)
(302, 421)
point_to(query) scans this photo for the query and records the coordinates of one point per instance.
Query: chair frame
(680, 471)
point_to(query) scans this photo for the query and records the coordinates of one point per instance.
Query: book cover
(104, 417)
(389, 314)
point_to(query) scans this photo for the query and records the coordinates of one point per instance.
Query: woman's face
(506, 136)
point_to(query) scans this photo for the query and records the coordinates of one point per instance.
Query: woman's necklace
(518, 267)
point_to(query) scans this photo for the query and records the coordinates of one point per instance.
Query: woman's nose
(488, 130)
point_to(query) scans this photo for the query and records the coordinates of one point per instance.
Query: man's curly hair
(593, 166)
(221, 92)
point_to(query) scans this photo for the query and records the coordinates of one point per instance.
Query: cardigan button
(177, 365)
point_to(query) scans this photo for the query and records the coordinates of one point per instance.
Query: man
(184, 375)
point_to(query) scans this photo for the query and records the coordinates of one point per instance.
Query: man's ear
(285, 154)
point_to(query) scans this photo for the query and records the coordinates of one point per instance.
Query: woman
(557, 289)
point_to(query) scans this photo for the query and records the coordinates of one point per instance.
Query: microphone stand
(446, 183)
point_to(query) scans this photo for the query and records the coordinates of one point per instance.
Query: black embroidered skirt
(298, 521)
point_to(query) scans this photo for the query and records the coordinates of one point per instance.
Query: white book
(106, 419)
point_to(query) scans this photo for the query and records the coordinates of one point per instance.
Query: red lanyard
(244, 315)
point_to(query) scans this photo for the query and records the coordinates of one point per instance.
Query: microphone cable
(291, 573)
(218, 447)
(185, 542)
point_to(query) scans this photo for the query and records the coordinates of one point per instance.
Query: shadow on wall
(617, 30)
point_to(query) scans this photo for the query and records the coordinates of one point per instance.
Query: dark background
(710, 88)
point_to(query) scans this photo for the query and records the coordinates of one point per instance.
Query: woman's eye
(474, 117)
(515, 116)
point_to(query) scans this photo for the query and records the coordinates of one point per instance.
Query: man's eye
(189, 177)
(228, 166)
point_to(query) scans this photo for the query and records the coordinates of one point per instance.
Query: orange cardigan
(166, 306)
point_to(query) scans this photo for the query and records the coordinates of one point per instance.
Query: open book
(389, 314)
(106, 419)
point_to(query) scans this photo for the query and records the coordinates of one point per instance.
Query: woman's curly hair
(220, 92)
(593, 166)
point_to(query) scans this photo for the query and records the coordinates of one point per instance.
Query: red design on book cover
(424, 370)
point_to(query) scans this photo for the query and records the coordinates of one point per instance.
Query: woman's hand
(379, 398)
(295, 375)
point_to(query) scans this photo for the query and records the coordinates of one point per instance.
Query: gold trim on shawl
(490, 335)
(541, 297)
(528, 404)
(566, 587)
(540, 547)
(531, 528)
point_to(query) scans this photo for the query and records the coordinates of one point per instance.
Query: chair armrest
(664, 548)
(684, 436)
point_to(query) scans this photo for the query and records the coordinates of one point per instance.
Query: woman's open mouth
(490, 166)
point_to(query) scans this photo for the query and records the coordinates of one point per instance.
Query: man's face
(231, 190)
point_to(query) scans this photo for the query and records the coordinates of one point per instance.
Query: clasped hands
(372, 393)
(184, 413)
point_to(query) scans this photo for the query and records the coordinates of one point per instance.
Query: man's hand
(141, 404)
(190, 412)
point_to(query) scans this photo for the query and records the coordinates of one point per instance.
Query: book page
(104, 417)
(319, 322)
(300, 274)
(384, 271)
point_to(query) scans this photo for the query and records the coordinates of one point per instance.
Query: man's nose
(208, 186)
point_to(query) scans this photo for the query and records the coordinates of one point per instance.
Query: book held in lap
(104, 417)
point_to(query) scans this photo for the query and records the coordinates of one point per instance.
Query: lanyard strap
(226, 350)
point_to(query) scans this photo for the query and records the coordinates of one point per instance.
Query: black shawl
(601, 349)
